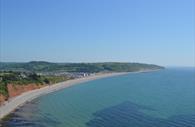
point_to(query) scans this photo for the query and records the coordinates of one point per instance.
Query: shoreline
(13, 103)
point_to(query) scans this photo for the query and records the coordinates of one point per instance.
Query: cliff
(15, 90)
(2, 99)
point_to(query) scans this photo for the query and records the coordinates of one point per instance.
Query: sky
(148, 31)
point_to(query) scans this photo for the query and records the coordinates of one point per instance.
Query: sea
(164, 98)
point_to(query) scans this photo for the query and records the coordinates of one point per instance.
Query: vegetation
(22, 78)
(26, 73)
(41, 66)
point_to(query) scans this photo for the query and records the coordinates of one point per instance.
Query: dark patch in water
(25, 117)
(128, 114)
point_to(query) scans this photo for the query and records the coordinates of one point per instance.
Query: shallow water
(157, 99)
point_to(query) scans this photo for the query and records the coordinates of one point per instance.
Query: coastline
(17, 101)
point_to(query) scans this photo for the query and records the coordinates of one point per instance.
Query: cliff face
(2, 99)
(15, 90)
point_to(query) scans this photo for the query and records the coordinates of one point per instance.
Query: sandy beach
(15, 102)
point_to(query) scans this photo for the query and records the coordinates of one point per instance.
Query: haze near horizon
(153, 31)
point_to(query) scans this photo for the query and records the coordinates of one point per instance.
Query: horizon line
(169, 66)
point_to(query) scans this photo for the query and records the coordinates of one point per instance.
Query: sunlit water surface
(164, 98)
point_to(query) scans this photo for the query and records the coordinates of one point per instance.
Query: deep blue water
(164, 98)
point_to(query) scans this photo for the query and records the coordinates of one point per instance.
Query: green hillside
(41, 66)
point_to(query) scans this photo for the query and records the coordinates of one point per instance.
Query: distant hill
(42, 66)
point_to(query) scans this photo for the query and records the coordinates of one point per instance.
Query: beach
(17, 101)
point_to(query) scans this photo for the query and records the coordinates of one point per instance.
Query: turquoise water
(164, 98)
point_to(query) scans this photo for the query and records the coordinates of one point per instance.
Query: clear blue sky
(150, 31)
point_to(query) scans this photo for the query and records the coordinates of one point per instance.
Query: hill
(42, 66)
